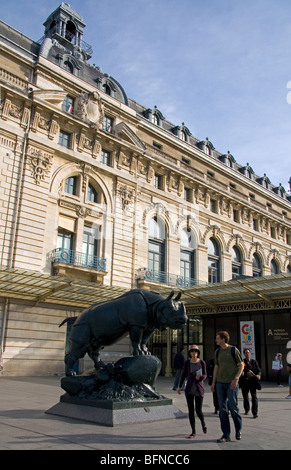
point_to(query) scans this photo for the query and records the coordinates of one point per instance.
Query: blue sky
(223, 67)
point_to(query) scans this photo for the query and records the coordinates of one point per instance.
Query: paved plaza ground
(24, 425)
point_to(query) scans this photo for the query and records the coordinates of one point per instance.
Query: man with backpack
(227, 371)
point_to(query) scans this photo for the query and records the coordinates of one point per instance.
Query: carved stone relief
(89, 108)
(126, 194)
(40, 164)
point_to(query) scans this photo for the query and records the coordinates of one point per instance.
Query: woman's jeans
(227, 401)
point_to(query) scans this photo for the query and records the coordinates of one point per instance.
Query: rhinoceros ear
(170, 295)
(178, 296)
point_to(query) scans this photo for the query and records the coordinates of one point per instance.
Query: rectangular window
(65, 139)
(108, 124)
(213, 205)
(186, 160)
(157, 146)
(158, 182)
(256, 225)
(68, 104)
(187, 194)
(105, 157)
(187, 265)
(236, 215)
(65, 239)
(156, 258)
(90, 241)
(213, 271)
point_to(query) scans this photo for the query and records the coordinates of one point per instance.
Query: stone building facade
(96, 187)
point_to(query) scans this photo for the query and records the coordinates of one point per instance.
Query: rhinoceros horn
(178, 296)
(170, 295)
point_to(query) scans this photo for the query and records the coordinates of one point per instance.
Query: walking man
(249, 382)
(227, 371)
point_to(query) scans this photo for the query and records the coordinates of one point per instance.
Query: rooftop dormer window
(206, 146)
(154, 115)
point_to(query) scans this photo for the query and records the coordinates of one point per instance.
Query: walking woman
(195, 373)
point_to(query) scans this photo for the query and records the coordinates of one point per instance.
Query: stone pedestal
(120, 393)
(112, 413)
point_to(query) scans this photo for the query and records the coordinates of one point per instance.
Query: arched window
(107, 89)
(213, 261)
(70, 31)
(69, 66)
(274, 267)
(183, 136)
(257, 268)
(187, 259)
(155, 119)
(71, 185)
(156, 249)
(236, 262)
(92, 194)
(289, 268)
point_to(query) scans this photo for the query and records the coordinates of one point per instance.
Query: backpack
(232, 353)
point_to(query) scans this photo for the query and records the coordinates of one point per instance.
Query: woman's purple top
(186, 374)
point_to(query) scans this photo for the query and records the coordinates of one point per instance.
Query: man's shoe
(238, 435)
(224, 439)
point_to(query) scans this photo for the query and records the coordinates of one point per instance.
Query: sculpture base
(112, 413)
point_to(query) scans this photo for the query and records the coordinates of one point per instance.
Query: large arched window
(213, 261)
(236, 262)
(187, 260)
(257, 267)
(156, 249)
(81, 244)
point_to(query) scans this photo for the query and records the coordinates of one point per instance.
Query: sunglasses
(194, 350)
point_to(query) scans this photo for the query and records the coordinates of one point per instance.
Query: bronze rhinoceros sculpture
(138, 312)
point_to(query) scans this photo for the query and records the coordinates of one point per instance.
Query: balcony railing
(75, 258)
(69, 37)
(165, 278)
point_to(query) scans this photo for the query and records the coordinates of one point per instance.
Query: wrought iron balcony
(75, 258)
(70, 38)
(164, 278)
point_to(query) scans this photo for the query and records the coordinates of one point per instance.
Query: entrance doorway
(191, 334)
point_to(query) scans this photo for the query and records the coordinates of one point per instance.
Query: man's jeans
(227, 401)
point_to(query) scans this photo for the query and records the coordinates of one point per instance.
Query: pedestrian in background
(210, 370)
(179, 362)
(277, 366)
(249, 383)
(289, 380)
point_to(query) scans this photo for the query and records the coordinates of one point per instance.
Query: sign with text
(247, 337)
